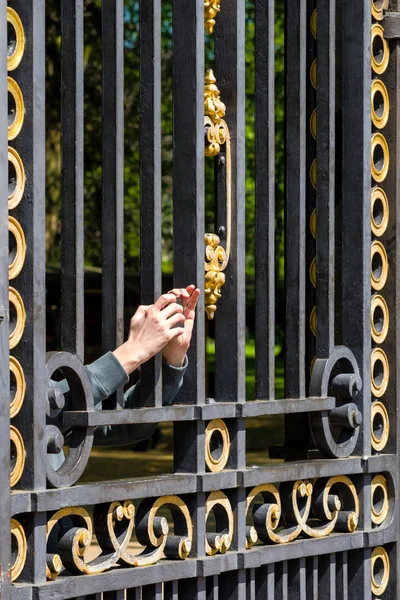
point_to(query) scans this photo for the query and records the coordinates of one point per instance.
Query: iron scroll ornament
(80, 439)
(335, 432)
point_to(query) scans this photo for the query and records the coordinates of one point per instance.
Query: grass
(261, 433)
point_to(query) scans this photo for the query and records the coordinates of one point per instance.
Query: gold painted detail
(379, 157)
(380, 427)
(379, 319)
(379, 500)
(313, 272)
(217, 257)
(217, 445)
(313, 223)
(377, 8)
(314, 508)
(313, 173)
(379, 265)
(19, 543)
(379, 372)
(313, 123)
(313, 321)
(218, 503)
(16, 181)
(380, 53)
(313, 74)
(379, 103)
(17, 386)
(17, 317)
(16, 45)
(211, 10)
(379, 211)
(16, 110)
(380, 571)
(313, 24)
(17, 456)
(17, 252)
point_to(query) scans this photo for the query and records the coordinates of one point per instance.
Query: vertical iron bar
(113, 179)
(72, 245)
(326, 97)
(5, 546)
(327, 576)
(295, 52)
(265, 197)
(150, 180)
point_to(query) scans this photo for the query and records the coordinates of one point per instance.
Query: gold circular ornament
(379, 319)
(313, 123)
(379, 50)
(313, 272)
(313, 24)
(377, 8)
(379, 372)
(379, 211)
(380, 426)
(313, 223)
(16, 109)
(313, 321)
(17, 248)
(19, 456)
(16, 178)
(18, 533)
(379, 265)
(17, 386)
(16, 42)
(379, 103)
(380, 570)
(379, 500)
(217, 445)
(379, 157)
(313, 173)
(17, 317)
(313, 73)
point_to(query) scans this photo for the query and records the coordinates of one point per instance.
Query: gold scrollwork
(313, 173)
(18, 386)
(17, 317)
(377, 8)
(379, 103)
(217, 257)
(16, 45)
(379, 319)
(16, 182)
(313, 24)
(211, 10)
(17, 456)
(16, 109)
(313, 73)
(221, 541)
(19, 557)
(313, 223)
(379, 211)
(380, 570)
(379, 372)
(380, 53)
(380, 426)
(379, 157)
(285, 512)
(379, 500)
(313, 123)
(313, 272)
(217, 445)
(313, 321)
(17, 252)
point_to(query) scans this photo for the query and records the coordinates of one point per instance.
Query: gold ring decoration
(379, 265)
(313, 321)
(379, 50)
(16, 328)
(379, 372)
(313, 272)
(16, 112)
(379, 157)
(16, 178)
(377, 8)
(313, 174)
(379, 500)
(313, 123)
(313, 73)
(18, 443)
(313, 223)
(221, 541)
(18, 533)
(211, 10)
(380, 426)
(379, 103)
(217, 445)
(18, 386)
(379, 211)
(380, 573)
(16, 46)
(16, 253)
(379, 319)
(313, 24)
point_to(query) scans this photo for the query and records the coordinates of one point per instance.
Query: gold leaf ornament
(211, 9)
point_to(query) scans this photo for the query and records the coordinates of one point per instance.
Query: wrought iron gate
(323, 522)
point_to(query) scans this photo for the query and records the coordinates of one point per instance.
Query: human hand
(175, 351)
(151, 329)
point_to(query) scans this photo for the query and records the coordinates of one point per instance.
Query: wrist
(127, 357)
(174, 359)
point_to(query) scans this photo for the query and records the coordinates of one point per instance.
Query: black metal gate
(319, 521)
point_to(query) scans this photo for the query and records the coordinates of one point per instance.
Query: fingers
(192, 302)
(175, 320)
(164, 300)
(181, 292)
(172, 309)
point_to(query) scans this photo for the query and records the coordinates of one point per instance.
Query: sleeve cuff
(182, 369)
(109, 373)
